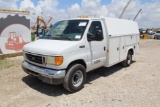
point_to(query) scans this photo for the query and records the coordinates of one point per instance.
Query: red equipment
(15, 42)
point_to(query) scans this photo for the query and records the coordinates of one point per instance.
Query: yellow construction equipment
(143, 34)
(36, 27)
(41, 20)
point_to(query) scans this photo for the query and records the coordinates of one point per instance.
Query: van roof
(96, 18)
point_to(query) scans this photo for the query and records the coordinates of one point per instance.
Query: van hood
(51, 47)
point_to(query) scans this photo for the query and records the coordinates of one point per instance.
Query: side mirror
(90, 37)
(99, 35)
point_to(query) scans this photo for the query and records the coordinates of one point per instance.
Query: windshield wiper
(49, 37)
(64, 37)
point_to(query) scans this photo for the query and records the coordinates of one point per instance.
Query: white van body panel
(122, 36)
(120, 27)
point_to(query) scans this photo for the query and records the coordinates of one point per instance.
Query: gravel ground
(135, 86)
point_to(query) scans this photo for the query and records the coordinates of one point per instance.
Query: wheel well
(131, 50)
(80, 61)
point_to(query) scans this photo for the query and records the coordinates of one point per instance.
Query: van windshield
(67, 30)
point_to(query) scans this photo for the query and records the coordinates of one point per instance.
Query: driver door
(96, 50)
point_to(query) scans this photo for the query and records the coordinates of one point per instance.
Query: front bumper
(46, 75)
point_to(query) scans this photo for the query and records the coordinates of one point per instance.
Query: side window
(94, 28)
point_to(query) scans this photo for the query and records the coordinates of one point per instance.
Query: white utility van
(74, 47)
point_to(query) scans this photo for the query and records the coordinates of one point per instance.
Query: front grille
(35, 58)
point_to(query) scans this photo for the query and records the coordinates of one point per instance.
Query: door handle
(118, 49)
(104, 48)
(83, 46)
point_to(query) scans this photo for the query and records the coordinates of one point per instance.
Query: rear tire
(127, 62)
(75, 78)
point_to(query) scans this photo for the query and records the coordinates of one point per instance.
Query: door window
(94, 28)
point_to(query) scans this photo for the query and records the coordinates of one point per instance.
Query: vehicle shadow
(58, 90)
(103, 72)
(44, 88)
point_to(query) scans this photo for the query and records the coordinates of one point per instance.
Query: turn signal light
(58, 60)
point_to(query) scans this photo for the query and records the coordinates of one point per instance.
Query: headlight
(55, 60)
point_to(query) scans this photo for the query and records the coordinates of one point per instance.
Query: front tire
(75, 78)
(127, 62)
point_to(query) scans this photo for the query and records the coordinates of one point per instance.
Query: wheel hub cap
(77, 78)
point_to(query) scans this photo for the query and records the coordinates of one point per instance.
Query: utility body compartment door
(114, 50)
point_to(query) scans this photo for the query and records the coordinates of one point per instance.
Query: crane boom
(124, 9)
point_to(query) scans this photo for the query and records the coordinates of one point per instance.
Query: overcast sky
(62, 9)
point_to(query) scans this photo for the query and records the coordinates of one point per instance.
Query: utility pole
(38, 25)
(137, 14)
(124, 9)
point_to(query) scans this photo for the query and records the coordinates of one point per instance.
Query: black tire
(127, 62)
(75, 78)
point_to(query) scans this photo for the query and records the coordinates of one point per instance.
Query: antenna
(137, 14)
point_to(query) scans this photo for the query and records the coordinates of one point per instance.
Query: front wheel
(75, 78)
(127, 62)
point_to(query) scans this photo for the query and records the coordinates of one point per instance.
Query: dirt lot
(135, 86)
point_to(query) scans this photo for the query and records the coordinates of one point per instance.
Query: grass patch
(1, 57)
(9, 60)
(6, 64)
